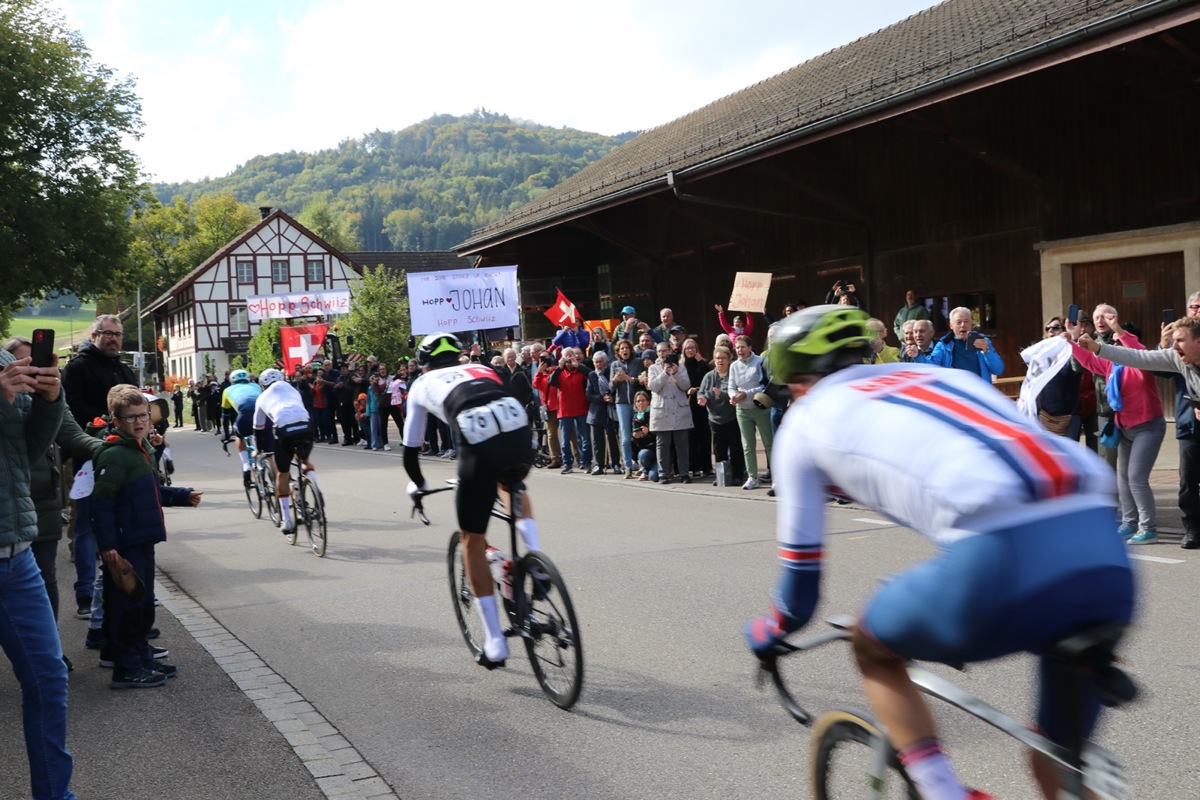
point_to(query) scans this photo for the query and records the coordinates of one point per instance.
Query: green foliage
(378, 318)
(260, 352)
(334, 227)
(423, 188)
(67, 181)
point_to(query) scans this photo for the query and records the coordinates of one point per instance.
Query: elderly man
(662, 333)
(98, 368)
(921, 349)
(630, 327)
(880, 351)
(598, 389)
(966, 348)
(747, 380)
(31, 410)
(911, 310)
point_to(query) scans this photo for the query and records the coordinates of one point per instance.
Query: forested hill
(423, 188)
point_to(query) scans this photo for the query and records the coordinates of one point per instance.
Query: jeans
(625, 422)
(1136, 454)
(575, 427)
(376, 432)
(127, 620)
(45, 553)
(85, 550)
(649, 462)
(599, 440)
(29, 638)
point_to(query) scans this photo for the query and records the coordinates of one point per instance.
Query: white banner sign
(463, 300)
(301, 304)
(750, 291)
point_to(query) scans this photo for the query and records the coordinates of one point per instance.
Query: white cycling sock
(527, 527)
(495, 646)
(245, 461)
(930, 770)
(285, 509)
(312, 476)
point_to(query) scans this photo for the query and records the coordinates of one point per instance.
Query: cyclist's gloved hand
(413, 490)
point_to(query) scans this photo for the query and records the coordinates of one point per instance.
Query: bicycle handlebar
(769, 666)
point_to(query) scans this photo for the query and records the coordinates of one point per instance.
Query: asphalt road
(662, 579)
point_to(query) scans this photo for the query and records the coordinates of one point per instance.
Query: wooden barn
(1012, 156)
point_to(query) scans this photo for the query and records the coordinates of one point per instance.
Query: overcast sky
(222, 81)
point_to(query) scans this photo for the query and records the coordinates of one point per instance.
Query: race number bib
(483, 422)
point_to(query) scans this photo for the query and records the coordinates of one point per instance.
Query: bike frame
(1089, 766)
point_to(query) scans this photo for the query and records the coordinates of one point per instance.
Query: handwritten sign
(463, 300)
(750, 292)
(301, 304)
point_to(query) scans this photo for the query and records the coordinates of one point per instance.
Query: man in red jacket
(571, 382)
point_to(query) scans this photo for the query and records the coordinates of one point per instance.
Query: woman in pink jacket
(1140, 422)
(742, 324)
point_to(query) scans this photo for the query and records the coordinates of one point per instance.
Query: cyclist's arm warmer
(412, 465)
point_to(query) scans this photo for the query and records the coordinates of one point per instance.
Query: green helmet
(439, 349)
(818, 341)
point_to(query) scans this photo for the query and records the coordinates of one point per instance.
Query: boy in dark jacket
(126, 507)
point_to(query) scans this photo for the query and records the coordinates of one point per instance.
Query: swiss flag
(300, 345)
(563, 311)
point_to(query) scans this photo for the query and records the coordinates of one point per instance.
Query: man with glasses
(97, 368)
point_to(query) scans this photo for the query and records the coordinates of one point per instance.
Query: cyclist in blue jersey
(491, 430)
(239, 399)
(1022, 519)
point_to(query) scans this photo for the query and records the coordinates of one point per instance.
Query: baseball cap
(628, 310)
(678, 329)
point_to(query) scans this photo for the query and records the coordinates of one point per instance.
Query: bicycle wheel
(312, 511)
(463, 599)
(254, 495)
(271, 500)
(844, 760)
(550, 630)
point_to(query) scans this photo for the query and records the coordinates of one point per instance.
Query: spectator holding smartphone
(966, 348)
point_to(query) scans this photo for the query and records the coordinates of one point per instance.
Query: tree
(331, 225)
(219, 219)
(378, 318)
(260, 351)
(67, 182)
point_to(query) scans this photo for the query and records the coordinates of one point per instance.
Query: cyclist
(238, 399)
(1020, 516)
(493, 435)
(281, 426)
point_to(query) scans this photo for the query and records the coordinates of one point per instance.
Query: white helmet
(269, 376)
(239, 376)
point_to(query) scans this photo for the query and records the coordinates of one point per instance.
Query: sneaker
(643, 477)
(751, 483)
(138, 679)
(83, 608)
(153, 633)
(1125, 531)
(156, 653)
(664, 480)
(687, 478)
(597, 470)
(566, 470)
(387, 447)
(771, 492)
(95, 639)
(629, 474)
(978, 794)
(766, 477)
(246, 481)
(167, 670)
(1190, 541)
(1143, 537)
(347, 443)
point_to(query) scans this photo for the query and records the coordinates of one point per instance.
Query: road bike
(308, 508)
(534, 597)
(851, 756)
(261, 491)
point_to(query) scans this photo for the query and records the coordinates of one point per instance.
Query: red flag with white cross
(299, 346)
(563, 311)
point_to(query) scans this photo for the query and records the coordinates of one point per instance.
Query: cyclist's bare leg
(1045, 772)
(479, 576)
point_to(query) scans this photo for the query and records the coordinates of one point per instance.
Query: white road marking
(874, 521)
(1160, 559)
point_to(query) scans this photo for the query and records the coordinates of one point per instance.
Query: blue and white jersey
(933, 449)
(240, 396)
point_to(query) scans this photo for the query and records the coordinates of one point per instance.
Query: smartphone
(1073, 314)
(1192, 401)
(1168, 316)
(43, 347)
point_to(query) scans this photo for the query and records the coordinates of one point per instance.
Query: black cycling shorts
(291, 441)
(243, 423)
(507, 457)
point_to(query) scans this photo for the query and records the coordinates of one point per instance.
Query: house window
(279, 272)
(316, 270)
(245, 272)
(239, 320)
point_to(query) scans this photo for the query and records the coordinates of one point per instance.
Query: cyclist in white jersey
(493, 440)
(1022, 518)
(282, 427)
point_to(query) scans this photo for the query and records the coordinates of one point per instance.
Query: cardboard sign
(463, 300)
(750, 292)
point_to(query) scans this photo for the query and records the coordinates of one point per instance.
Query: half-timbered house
(204, 315)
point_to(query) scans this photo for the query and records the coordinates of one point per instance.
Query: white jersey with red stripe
(933, 449)
(445, 392)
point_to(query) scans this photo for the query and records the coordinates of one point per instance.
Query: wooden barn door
(1139, 288)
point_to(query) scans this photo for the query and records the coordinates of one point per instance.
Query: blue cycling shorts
(1009, 591)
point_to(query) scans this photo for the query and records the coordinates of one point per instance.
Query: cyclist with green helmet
(238, 399)
(1017, 513)
(492, 435)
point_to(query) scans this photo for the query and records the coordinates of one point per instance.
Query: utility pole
(141, 353)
